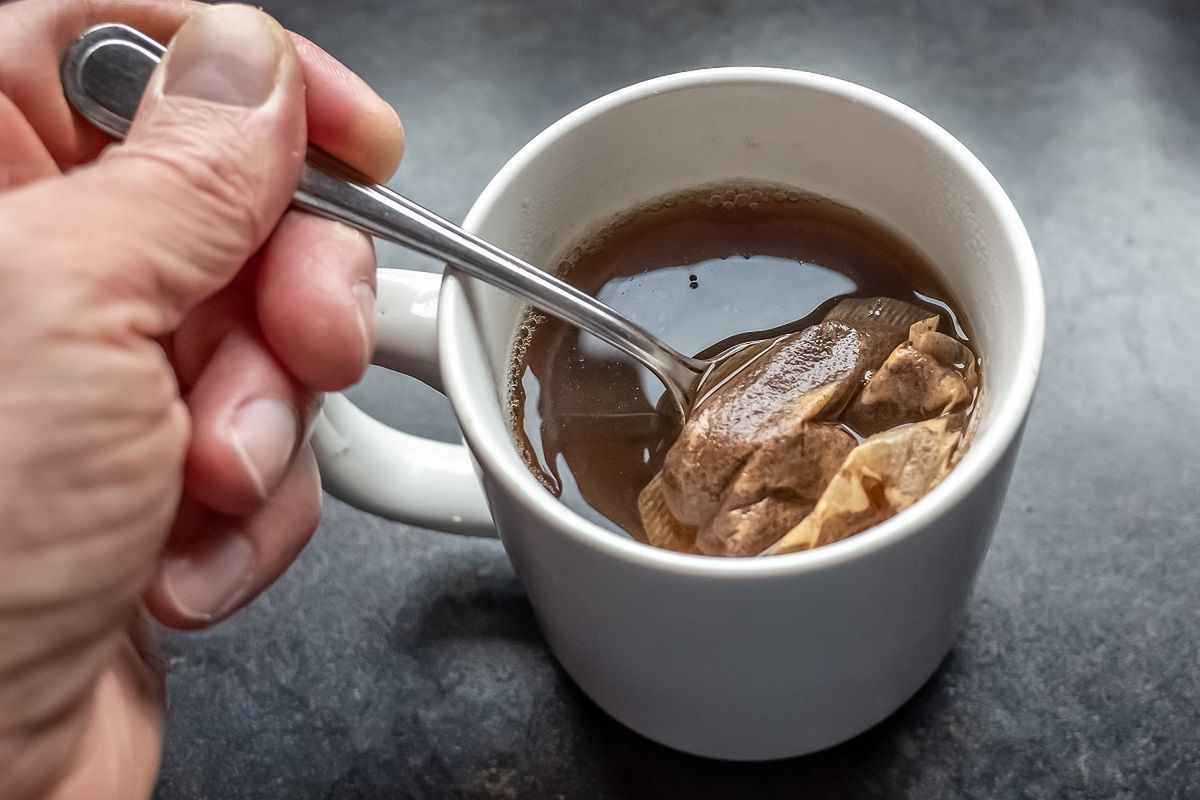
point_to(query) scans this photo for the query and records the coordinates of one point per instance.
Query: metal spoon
(105, 73)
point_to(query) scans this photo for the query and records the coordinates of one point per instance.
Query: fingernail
(365, 296)
(210, 577)
(264, 434)
(227, 54)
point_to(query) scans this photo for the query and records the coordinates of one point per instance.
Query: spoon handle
(105, 73)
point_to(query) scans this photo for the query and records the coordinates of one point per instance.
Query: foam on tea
(708, 269)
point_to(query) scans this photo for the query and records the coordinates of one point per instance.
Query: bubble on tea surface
(513, 392)
(529, 321)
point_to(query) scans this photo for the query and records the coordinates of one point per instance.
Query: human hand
(165, 329)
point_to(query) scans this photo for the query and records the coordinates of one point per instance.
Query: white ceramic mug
(732, 658)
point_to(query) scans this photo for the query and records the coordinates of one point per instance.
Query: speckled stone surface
(400, 663)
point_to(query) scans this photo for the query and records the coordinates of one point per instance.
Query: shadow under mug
(729, 658)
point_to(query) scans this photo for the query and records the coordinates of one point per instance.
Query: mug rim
(498, 457)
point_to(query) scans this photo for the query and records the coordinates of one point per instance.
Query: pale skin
(166, 327)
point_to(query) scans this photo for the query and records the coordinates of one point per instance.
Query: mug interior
(817, 134)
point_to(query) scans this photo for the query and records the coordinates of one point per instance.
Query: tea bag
(759, 449)
(659, 525)
(929, 375)
(884, 475)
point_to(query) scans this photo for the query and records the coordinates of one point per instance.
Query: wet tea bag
(929, 375)
(881, 477)
(916, 408)
(759, 449)
(659, 525)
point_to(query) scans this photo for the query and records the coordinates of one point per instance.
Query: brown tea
(704, 270)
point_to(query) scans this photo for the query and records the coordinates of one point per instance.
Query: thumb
(210, 163)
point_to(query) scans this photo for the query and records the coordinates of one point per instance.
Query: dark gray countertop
(395, 662)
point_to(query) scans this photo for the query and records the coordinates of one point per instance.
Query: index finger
(345, 117)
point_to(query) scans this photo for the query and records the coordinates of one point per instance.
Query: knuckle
(205, 160)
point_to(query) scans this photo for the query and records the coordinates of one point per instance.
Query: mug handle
(387, 472)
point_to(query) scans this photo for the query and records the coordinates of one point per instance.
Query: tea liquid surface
(703, 270)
